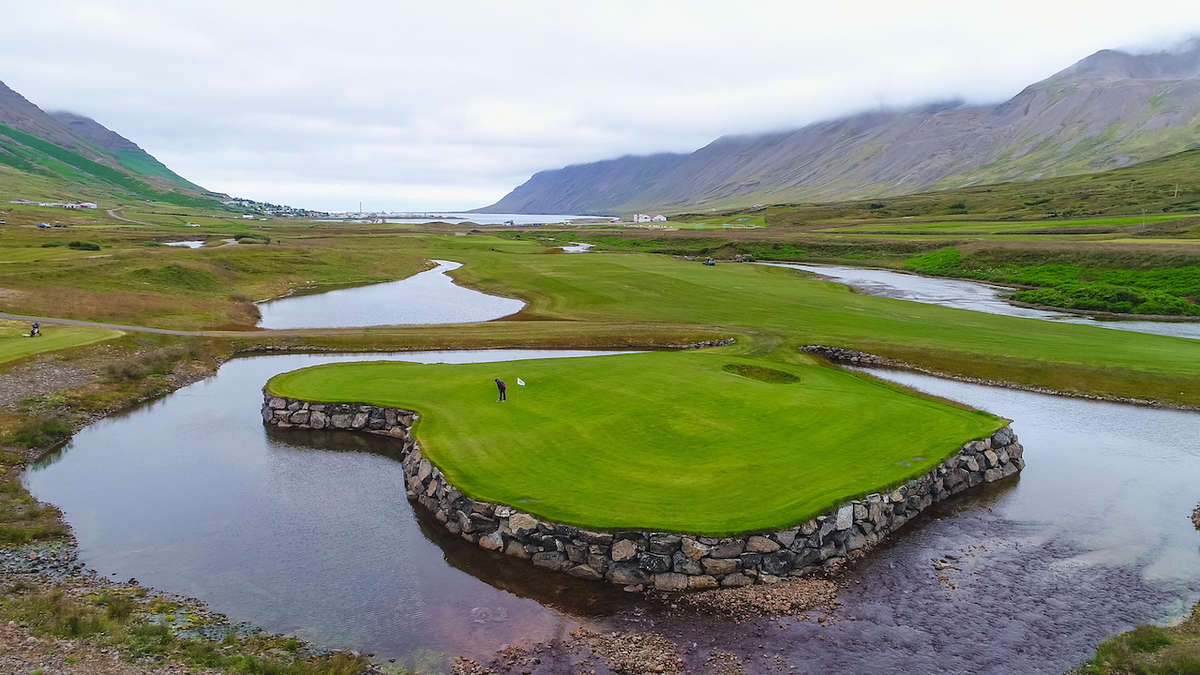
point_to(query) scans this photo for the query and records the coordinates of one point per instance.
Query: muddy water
(973, 295)
(428, 297)
(311, 534)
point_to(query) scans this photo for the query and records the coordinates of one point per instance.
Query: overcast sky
(448, 105)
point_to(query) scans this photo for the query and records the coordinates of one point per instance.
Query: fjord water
(428, 297)
(973, 295)
(311, 534)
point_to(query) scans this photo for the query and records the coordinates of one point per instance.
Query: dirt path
(113, 213)
(298, 332)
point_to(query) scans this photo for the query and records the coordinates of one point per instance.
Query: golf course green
(704, 441)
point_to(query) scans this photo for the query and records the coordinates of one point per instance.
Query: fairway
(703, 442)
(14, 346)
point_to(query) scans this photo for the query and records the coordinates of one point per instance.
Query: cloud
(450, 105)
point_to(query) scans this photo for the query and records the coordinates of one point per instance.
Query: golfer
(503, 390)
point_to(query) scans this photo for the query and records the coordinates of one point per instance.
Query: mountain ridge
(67, 156)
(1107, 110)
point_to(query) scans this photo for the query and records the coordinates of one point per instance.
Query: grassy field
(133, 279)
(13, 346)
(781, 308)
(665, 440)
(960, 227)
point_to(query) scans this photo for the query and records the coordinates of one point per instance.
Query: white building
(641, 218)
(660, 218)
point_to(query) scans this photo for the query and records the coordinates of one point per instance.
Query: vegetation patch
(1152, 650)
(252, 238)
(665, 440)
(179, 277)
(1149, 285)
(122, 620)
(760, 373)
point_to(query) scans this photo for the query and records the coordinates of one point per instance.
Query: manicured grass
(658, 440)
(785, 307)
(13, 346)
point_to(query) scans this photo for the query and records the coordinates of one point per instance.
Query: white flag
(520, 382)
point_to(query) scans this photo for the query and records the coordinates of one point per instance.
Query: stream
(429, 297)
(975, 296)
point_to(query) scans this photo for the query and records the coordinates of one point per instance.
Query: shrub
(116, 606)
(1148, 639)
(39, 432)
(84, 246)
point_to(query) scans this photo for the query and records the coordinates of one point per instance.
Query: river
(975, 296)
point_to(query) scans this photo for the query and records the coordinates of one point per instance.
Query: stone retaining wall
(665, 560)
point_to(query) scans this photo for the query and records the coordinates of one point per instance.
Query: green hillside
(75, 174)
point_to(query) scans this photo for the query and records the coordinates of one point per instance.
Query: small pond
(429, 297)
(197, 243)
(577, 247)
(973, 295)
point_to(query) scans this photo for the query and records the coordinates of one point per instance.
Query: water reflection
(429, 297)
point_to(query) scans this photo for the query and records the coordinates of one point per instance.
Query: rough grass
(118, 619)
(1151, 650)
(1146, 284)
(23, 518)
(665, 440)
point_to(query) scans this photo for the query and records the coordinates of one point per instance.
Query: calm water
(311, 534)
(577, 247)
(425, 298)
(197, 243)
(299, 532)
(973, 295)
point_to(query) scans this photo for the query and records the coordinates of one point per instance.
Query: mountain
(1109, 110)
(64, 156)
(126, 151)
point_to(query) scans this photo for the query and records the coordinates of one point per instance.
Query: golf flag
(520, 382)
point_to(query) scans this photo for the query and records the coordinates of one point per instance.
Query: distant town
(60, 205)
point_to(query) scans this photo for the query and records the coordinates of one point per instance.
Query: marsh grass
(1150, 650)
(118, 619)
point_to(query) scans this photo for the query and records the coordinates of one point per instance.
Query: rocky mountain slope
(65, 156)
(1109, 110)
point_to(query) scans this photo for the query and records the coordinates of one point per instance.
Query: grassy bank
(94, 623)
(1120, 282)
(691, 442)
(1150, 650)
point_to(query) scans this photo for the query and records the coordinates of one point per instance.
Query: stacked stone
(850, 356)
(286, 413)
(664, 560)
